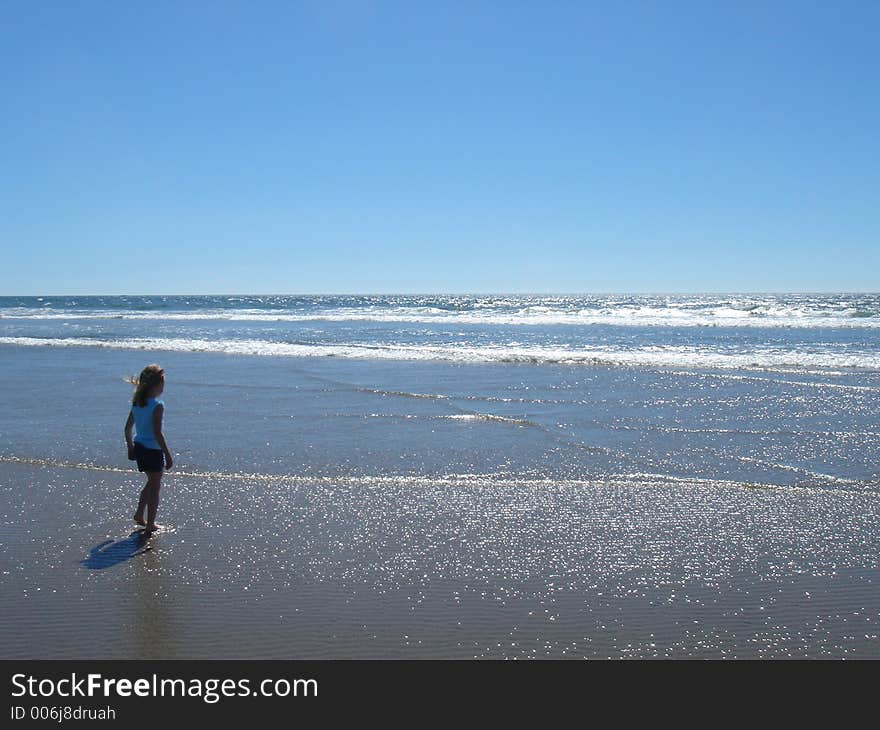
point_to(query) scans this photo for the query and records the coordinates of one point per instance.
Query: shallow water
(337, 417)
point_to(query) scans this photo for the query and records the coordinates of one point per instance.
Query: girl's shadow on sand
(110, 552)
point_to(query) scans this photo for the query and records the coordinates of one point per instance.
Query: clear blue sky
(355, 146)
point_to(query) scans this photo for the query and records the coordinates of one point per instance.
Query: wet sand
(426, 567)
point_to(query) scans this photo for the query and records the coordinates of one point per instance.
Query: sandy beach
(280, 568)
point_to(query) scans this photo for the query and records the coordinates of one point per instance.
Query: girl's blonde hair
(150, 376)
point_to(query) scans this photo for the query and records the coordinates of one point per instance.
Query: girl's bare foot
(153, 527)
(140, 521)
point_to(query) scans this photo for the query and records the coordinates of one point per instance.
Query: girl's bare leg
(142, 505)
(154, 481)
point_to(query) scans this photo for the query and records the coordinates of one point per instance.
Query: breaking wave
(659, 356)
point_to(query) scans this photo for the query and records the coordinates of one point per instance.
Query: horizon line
(718, 292)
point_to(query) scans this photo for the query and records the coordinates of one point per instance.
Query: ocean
(449, 475)
(773, 388)
(803, 333)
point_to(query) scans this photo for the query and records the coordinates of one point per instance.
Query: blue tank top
(143, 423)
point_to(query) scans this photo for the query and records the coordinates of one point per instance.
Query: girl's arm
(158, 411)
(129, 425)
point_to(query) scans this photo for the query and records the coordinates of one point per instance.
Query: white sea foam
(647, 356)
(488, 417)
(690, 313)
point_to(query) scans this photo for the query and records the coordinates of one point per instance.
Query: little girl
(148, 447)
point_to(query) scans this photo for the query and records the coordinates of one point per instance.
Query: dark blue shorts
(148, 459)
